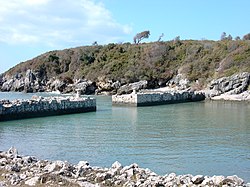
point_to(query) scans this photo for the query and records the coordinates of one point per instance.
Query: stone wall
(157, 98)
(38, 107)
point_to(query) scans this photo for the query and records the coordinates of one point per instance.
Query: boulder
(6, 87)
(1, 80)
(86, 87)
(179, 81)
(33, 181)
(234, 84)
(129, 88)
(56, 85)
(107, 86)
(198, 179)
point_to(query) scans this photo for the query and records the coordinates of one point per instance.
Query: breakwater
(157, 98)
(48, 106)
(17, 170)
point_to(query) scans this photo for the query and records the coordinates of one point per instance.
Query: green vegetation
(198, 60)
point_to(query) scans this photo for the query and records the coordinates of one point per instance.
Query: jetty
(44, 106)
(149, 98)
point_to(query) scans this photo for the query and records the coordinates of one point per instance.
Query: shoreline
(19, 170)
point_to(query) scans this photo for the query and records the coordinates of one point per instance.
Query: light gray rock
(198, 179)
(7, 85)
(33, 181)
(170, 177)
(236, 180)
(12, 152)
(234, 84)
(59, 173)
(87, 184)
(180, 81)
(50, 167)
(129, 88)
(217, 180)
(115, 168)
(3, 161)
(15, 168)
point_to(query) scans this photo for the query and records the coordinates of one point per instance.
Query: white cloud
(58, 23)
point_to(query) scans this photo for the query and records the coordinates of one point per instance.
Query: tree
(229, 37)
(237, 38)
(223, 36)
(246, 37)
(140, 36)
(160, 37)
(94, 43)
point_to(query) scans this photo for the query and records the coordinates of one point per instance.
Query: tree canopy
(140, 36)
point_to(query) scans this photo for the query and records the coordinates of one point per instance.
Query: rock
(115, 168)
(235, 180)
(50, 167)
(29, 159)
(34, 172)
(129, 88)
(198, 179)
(57, 85)
(2, 184)
(12, 152)
(180, 81)
(86, 184)
(33, 181)
(3, 161)
(217, 180)
(15, 168)
(170, 177)
(234, 84)
(6, 87)
(82, 164)
(86, 87)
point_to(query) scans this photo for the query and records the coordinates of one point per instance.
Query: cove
(208, 138)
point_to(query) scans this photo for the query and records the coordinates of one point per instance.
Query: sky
(29, 28)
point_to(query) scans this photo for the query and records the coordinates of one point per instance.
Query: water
(209, 138)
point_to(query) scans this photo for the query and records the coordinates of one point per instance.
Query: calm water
(209, 138)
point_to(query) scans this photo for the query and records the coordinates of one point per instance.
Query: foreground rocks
(16, 170)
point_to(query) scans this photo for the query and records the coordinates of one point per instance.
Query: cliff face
(107, 68)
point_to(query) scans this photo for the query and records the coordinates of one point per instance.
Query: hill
(156, 62)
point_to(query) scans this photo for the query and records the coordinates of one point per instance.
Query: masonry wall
(20, 109)
(145, 99)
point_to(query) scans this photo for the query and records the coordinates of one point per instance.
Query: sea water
(208, 138)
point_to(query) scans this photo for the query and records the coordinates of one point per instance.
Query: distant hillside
(158, 61)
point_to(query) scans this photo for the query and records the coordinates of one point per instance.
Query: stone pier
(157, 98)
(39, 107)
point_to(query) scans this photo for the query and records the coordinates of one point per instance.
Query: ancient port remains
(148, 98)
(47, 106)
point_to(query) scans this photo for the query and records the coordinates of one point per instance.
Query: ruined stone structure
(39, 107)
(157, 98)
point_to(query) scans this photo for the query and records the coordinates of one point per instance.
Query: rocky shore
(18, 170)
(235, 87)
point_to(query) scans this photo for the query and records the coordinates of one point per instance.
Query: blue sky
(31, 27)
